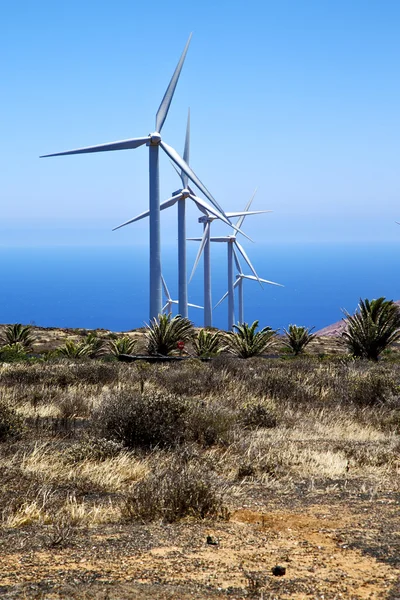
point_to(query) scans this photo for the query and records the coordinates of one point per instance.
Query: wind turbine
(179, 197)
(205, 247)
(240, 276)
(154, 142)
(168, 305)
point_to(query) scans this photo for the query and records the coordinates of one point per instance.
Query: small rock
(278, 571)
(212, 540)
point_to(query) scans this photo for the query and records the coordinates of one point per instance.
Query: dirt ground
(335, 539)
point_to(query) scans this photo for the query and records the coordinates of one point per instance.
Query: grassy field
(195, 480)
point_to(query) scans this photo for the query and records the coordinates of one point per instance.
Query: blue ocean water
(107, 287)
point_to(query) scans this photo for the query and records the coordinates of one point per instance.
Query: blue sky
(298, 98)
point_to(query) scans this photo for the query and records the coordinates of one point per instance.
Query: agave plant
(297, 338)
(96, 345)
(165, 332)
(122, 345)
(74, 350)
(18, 334)
(374, 327)
(246, 341)
(207, 343)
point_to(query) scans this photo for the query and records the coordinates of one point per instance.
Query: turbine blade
(163, 206)
(121, 145)
(246, 258)
(252, 278)
(186, 151)
(242, 218)
(201, 209)
(231, 215)
(200, 250)
(217, 214)
(195, 305)
(166, 291)
(166, 101)
(190, 173)
(179, 173)
(222, 299)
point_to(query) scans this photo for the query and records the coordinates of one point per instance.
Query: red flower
(181, 345)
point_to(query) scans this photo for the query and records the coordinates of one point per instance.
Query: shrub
(18, 333)
(96, 346)
(210, 424)
(74, 350)
(13, 353)
(92, 448)
(11, 423)
(374, 327)
(175, 491)
(143, 420)
(257, 415)
(207, 343)
(297, 338)
(246, 341)
(122, 345)
(164, 333)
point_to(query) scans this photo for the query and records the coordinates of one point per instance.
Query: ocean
(107, 287)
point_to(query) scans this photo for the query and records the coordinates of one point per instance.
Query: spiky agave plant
(246, 341)
(18, 334)
(297, 338)
(96, 346)
(164, 332)
(122, 345)
(74, 350)
(373, 327)
(207, 343)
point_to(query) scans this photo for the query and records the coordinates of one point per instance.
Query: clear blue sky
(300, 98)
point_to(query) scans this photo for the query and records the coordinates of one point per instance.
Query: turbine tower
(168, 305)
(205, 247)
(240, 276)
(154, 142)
(179, 197)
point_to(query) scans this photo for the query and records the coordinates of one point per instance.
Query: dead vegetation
(114, 472)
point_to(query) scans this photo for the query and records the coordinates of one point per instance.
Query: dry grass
(251, 433)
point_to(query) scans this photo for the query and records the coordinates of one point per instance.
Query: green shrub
(297, 338)
(207, 343)
(374, 327)
(246, 341)
(164, 333)
(13, 353)
(18, 334)
(122, 345)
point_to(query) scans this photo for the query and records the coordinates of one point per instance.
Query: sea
(108, 287)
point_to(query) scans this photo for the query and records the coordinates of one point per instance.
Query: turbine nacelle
(154, 139)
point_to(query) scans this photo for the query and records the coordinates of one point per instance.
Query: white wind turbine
(179, 197)
(240, 276)
(167, 308)
(154, 142)
(205, 247)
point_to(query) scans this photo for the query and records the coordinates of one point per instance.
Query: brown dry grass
(313, 486)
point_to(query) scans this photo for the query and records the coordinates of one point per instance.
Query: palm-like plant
(164, 333)
(297, 338)
(246, 341)
(96, 346)
(74, 350)
(122, 345)
(18, 334)
(374, 327)
(207, 343)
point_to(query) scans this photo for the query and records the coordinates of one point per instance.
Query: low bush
(143, 420)
(174, 491)
(92, 448)
(11, 423)
(256, 415)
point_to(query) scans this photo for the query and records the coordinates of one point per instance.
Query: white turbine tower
(205, 247)
(167, 308)
(240, 276)
(179, 197)
(154, 142)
